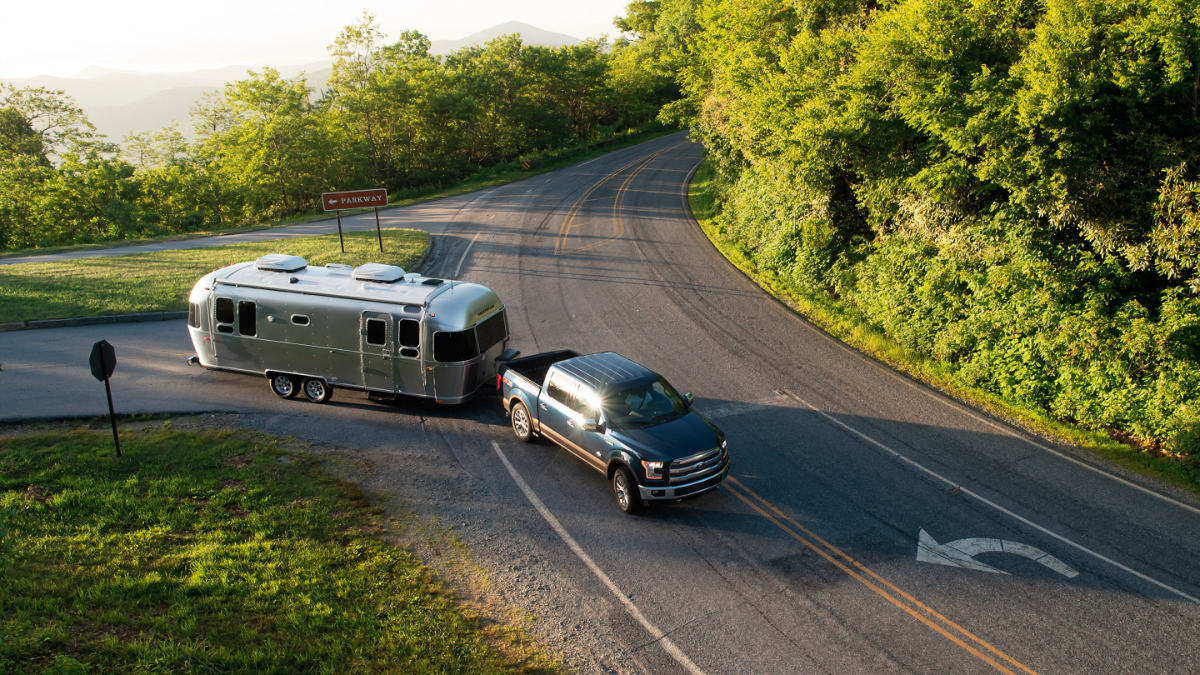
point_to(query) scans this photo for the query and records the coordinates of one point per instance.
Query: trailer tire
(283, 385)
(625, 488)
(522, 425)
(317, 390)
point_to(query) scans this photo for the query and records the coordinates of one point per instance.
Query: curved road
(870, 525)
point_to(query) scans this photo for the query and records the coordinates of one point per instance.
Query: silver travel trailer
(372, 328)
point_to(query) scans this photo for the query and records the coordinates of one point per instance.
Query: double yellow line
(860, 573)
(560, 246)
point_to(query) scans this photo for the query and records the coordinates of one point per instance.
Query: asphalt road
(807, 560)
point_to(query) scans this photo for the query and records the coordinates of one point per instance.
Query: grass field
(841, 320)
(148, 282)
(200, 551)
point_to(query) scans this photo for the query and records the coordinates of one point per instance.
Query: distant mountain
(530, 35)
(120, 102)
(152, 113)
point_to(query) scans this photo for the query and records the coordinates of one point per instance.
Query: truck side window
(247, 318)
(560, 388)
(376, 332)
(410, 337)
(583, 404)
(224, 315)
(456, 346)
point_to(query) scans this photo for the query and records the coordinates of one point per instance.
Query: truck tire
(317, 390)
(522, 424)
(284, 385)
(625, 488)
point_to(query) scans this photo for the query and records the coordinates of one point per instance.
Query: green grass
(198, 551)
(148, 282)
(542, 163)
(843, 322)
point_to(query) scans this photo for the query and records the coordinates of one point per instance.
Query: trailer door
(377, 338)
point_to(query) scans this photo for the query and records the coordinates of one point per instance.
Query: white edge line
(654, 631)
(464, 255)
(1010, 432)
(993, 504)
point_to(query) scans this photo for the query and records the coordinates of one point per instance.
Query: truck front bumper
(686, 490)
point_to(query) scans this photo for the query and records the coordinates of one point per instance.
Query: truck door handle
(543, 405)
(571, 423)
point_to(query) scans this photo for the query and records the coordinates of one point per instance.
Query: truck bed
(534, 368)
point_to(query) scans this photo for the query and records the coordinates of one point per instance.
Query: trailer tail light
(497, 381)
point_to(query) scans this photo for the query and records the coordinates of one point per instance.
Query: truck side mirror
(589, 424)
(508, 355)
(687, 399)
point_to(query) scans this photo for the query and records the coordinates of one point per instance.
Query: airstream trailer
(373, 328)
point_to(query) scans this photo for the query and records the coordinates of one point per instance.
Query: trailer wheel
(317, 390)
(284, 386)
(521, 424)
(625, 487)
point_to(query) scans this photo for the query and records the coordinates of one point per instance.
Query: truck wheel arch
(615, 464)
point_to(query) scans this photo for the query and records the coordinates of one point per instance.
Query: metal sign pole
(111, 415)
(340, 239)
(377, 230)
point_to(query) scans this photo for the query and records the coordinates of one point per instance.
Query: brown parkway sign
(354, 199)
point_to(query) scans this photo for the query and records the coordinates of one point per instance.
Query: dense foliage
(1011, 186)
(266, 147)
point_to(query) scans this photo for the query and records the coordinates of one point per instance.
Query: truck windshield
(644, 405)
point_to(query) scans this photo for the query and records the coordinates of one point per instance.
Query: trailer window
(456, 346)
(376, 332)
(247, 318)
(492, 331)
(193, 315)
(224, 315)
(410, 333)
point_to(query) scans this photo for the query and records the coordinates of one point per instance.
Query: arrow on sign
(961, 553)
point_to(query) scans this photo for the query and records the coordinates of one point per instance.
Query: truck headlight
(653, 469)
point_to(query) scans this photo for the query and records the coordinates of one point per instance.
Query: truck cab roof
(606, 371)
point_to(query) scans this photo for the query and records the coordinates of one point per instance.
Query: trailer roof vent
(277, 262)
(384, 274)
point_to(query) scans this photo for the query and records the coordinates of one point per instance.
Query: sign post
(103, 362)
(355, 199)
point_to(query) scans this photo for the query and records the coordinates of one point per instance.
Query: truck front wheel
(521, 424)
(626, 489)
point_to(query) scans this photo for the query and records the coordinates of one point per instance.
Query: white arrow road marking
(961, 553)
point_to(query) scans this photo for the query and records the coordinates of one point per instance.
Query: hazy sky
(66, 36)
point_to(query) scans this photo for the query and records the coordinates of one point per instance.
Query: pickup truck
(619, 417)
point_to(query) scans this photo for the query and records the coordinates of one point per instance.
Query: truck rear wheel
(317, 390)
(625, 487)
(284, 386)
(521, 423)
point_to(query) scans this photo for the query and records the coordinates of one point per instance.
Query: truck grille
(695, 467)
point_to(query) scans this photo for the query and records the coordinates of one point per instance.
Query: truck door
(590, 443)
(376, 345)
(554, 407)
